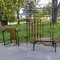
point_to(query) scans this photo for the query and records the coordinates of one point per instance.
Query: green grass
(23, 34)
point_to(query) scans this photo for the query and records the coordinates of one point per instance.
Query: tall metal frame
(37, 34)
(52, 23)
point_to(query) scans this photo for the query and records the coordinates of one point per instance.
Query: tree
(55, 8)
(30, 8)
(58, 9)
(45, 11)
(9, 8)
(49, 7)
(1, 11)
(19, 4)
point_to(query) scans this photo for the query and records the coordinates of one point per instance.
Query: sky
(44, 2)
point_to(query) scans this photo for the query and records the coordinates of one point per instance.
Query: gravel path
(25, 52)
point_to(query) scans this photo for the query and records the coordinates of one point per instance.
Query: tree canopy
(8, 9)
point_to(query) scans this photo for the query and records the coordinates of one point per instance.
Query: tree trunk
(18, 16)
(54, 10)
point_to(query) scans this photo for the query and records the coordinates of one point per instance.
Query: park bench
(45, 40)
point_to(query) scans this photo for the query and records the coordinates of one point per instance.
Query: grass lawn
(23, 32)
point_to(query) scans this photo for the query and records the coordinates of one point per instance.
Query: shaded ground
(25, 52)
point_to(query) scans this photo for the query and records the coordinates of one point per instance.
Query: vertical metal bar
(34, 28)
(26, 30)
(33, 46)
(50, 31)
(3, 37)
(37, 29)
(30, 9)
(40, 29)
(55, 47)
(10, 37)
(29, 26)
(17, 36)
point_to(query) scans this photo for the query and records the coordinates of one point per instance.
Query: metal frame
(11, 30)
(39, 39)
(35, 29)
(34, 25)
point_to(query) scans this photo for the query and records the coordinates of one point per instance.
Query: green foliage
(45, 12)
(46, 31)
(8, 9)
(59, 12)
(49, 7)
